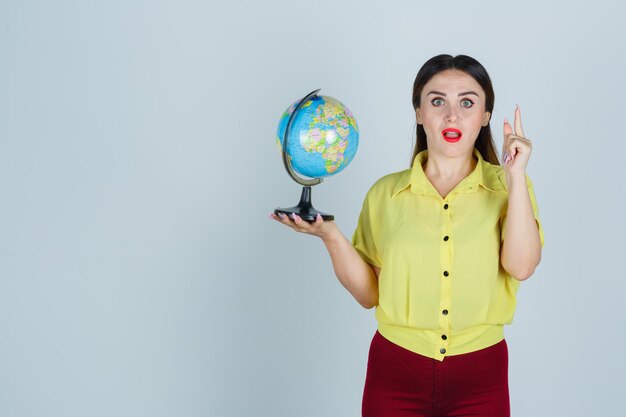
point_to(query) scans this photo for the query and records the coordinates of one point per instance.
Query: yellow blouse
(442, 289)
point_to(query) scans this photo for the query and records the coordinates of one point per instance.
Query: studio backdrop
(139, 273)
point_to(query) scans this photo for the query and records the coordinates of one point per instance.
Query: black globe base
(305, 209)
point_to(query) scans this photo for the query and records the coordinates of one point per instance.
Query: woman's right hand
(318, 228)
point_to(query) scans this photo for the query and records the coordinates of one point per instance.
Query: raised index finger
(518, 122)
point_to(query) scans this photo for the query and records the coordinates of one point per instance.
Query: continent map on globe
(323, 137)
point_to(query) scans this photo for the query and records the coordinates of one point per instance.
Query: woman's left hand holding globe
(318, 228)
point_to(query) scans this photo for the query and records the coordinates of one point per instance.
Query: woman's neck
(449, 169)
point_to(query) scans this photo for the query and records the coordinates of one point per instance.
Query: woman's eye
(437, 102)
(467, 103)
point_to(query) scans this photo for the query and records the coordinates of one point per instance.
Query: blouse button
(442, 351)
(445, 206)
(444, 337)
(445, 238)
(446, 273)
(444, 312)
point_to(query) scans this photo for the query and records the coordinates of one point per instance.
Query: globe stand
(305, 209)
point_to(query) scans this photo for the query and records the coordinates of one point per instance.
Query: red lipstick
(451, 135)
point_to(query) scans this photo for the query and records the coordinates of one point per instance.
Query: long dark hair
(484, 142)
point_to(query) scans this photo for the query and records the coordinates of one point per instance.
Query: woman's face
(452, 112)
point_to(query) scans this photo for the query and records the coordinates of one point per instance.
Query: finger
(284, 219)
(508, 131)
(512, 148)
(507, 128)
(305, 226)
(522, 140)
(301, 224)
(518, 122)
(518, 144)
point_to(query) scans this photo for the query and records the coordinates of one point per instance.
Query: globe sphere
(323, 136)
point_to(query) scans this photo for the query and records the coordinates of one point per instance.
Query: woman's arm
(356, 275)
(521, 249)
(521, 246)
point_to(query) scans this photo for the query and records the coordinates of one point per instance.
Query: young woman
(440, 249)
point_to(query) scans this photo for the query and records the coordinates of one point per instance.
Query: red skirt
(401, 383)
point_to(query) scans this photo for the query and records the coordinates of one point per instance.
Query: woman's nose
(451, 115)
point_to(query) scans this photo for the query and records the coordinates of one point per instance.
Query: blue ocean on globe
(323, 137)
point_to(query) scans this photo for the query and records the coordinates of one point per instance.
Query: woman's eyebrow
(464, 93)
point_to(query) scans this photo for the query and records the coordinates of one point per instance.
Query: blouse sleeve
(365, 236)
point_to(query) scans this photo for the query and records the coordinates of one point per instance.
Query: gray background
(139, 274)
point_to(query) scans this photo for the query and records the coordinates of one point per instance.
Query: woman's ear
(418, 116)
(486, 118)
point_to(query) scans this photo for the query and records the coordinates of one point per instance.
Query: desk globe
(318, 137)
